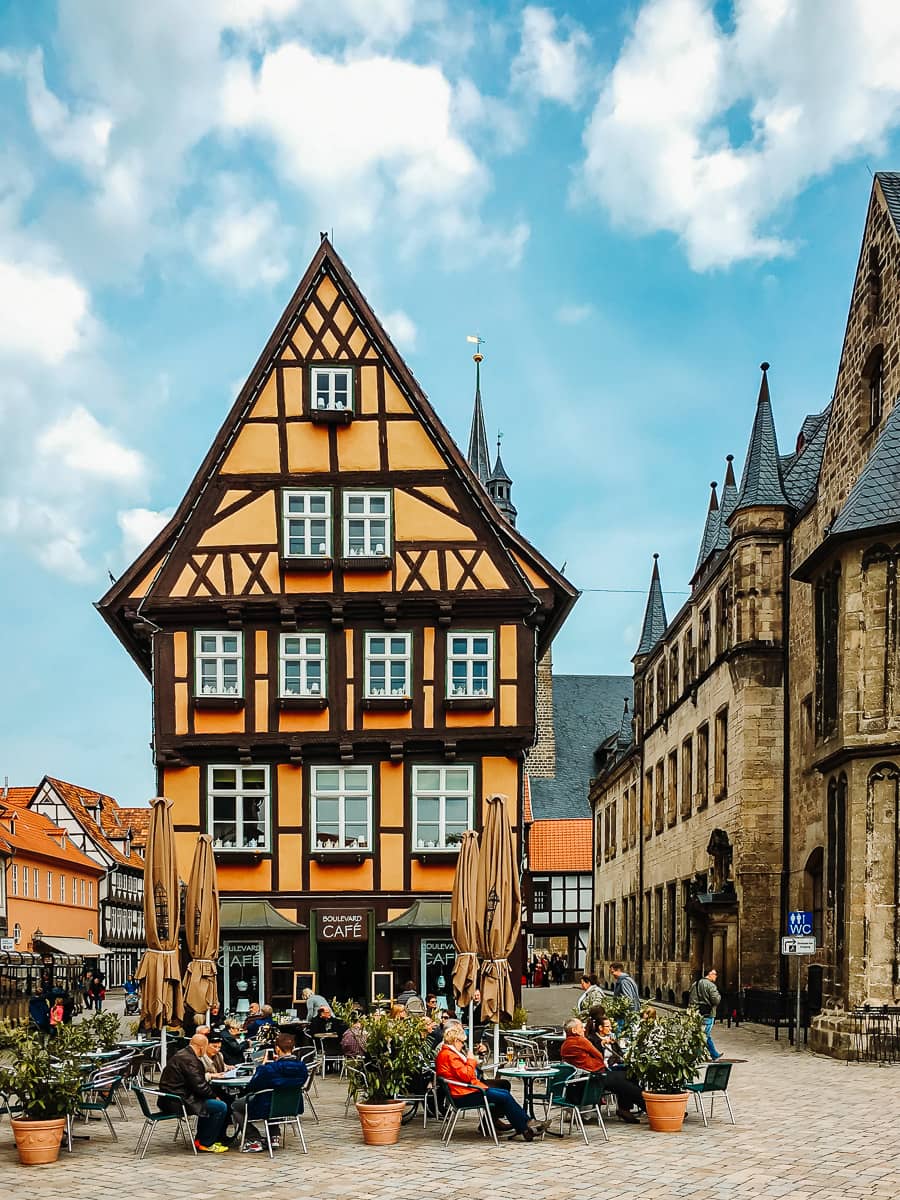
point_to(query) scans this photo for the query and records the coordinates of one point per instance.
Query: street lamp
(36, 937)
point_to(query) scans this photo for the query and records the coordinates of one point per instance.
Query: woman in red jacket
(457, 1068)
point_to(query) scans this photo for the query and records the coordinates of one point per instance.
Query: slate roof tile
(890, 186)
(761, 484)
(801, 480)
(654, 625)
(874, 501)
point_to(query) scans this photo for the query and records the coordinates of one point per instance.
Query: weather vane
(477, 341)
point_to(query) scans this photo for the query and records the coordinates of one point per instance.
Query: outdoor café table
(525, 1033)
(100, 1055)
(139, 1043)
(528, 1075)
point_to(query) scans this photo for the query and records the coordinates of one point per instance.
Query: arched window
(813, 878)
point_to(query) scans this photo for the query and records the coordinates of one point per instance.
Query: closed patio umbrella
(499, 906)
(201, 928)
(464, 920)
(158, 972)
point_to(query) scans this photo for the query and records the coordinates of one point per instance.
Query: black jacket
(184, 1075)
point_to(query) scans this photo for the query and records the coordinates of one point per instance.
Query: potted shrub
(395, 1049)
(43, 1088)
(662, 1055)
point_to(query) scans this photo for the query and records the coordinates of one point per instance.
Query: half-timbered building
(341, 630)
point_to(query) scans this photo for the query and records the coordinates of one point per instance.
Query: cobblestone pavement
(806, 1127)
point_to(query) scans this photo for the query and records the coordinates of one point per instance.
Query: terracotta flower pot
(38, 1141)
(665, 1112)
(381, 1122)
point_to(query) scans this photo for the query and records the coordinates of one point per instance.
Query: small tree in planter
(104, 1030)
(395, 1049)
(44, 1084)
(662, 1056)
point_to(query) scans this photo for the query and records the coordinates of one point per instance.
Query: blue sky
(634, 204)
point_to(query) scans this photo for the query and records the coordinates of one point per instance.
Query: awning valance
(255, 915)
(73, 945)
(422, 914)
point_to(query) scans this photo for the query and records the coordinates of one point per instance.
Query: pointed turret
(478, 446)
(727, 503)
(654, 614)
(499, 486)
(625, 731)
(710, 530)
(761, 485)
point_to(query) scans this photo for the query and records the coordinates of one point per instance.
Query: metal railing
(876, 1034)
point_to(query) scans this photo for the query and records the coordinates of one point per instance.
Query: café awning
(256, 915)
(421, 914)
(73, 945)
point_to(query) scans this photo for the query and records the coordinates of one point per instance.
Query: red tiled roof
(561, 845)
(138, 821)
(527, 815)
(33, 833)
(100, 824)
(18, 796)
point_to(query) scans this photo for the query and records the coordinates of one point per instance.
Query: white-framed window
(24, 881)
(238, 807)
(341, 807)
(303, 661)
(388, 664)
(367, 524)
(17, 933)
(62, 889)
(15, 879)
(74, 889)
(442, 806)
(91, 893)
(36, 880)
(470, 664)
(49, 885)
(332, 388)
(219, 661)
(307, 524)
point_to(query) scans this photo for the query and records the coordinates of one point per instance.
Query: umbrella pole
(497, 1042)
(162, 1045)
(472, 1025)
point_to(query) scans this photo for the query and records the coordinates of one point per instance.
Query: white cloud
(402, 329)
(139, 527)
(80, 138)
(237, 239)
(82, 445)
(43, 312)
(550, 66)
(574, 314)
(665, 147)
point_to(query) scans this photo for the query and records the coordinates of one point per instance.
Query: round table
(525, 1033)
(528, 1075)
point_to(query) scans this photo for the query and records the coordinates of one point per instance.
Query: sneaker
(215, 1148)
(276, 1142)
(252, 1148)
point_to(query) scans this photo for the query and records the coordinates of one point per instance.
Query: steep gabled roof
(98, 815)
(801, 480)
(654, 625)
(33, 833)
(710, 531)
(890, 187)
(727, 503)
(761, 484)
(874, 502)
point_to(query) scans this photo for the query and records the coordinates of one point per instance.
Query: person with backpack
(706, 997)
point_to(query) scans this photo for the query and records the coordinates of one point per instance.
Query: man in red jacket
(577, 1051)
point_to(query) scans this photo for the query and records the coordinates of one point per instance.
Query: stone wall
(540, 761)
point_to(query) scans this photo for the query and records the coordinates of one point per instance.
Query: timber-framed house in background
(342, 629)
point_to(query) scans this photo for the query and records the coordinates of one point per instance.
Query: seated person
(408, 993)
(353, 1042)
(313, 1002)
(283, 1071)
(262, 1020)
(252, 1015)
(598, 1029)
(326, 1022)
(397, 1011)
(213, 1061)
(431, 1006)
(230, 1037)
(458, 1069)
(577, 1051)
(184, 1076)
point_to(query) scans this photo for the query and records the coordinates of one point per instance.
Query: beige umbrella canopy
(464, 918)
(201, 928)
(158, 973)
(499, 908)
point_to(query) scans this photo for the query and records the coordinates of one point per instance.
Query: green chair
(97, 1096)
(565, 1104)
(563, 1072)
(153, 1118)
(715, 1080)
(285, 1107)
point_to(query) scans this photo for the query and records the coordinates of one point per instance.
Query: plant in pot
(104, 1029)
(662, 1055)
(43, 1084)
(394, 1053)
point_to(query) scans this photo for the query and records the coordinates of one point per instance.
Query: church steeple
(499, 486)
(710, 531)
(654, 614)
(761, 485)
(478, 446)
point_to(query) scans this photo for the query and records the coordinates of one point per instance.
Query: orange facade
(343, 635)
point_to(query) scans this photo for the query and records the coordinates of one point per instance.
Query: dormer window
(331, 393)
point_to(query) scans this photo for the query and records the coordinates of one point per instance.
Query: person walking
(85, 988)
(591, 994)
(706, 998)
(625, 986)
(98, 992)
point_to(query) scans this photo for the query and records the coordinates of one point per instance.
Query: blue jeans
(708, 1023)
(211, 1123)
(501, 1102)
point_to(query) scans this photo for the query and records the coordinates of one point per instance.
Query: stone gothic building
(761, 770)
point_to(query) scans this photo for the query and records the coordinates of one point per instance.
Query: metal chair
(326, 1056)
(354, 1072)
(97, 1096)
(153, 1117)
(714, 1080)
(311, 1058)
(563, 1104)
(310, 1088)
(285, 1107)
(454, 1109)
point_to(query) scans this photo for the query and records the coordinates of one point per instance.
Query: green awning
(422, 914)
(255, 915)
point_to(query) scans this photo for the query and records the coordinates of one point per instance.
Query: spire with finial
(478, 457)
(654, 614)
(710, 530)
(499, 486)
(727, 503)
(761, 485)
(625, 731)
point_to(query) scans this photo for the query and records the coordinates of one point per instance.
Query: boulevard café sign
(342, 925)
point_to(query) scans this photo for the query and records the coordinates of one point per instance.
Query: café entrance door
(342, 970)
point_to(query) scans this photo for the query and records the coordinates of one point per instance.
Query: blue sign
(800, 923)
